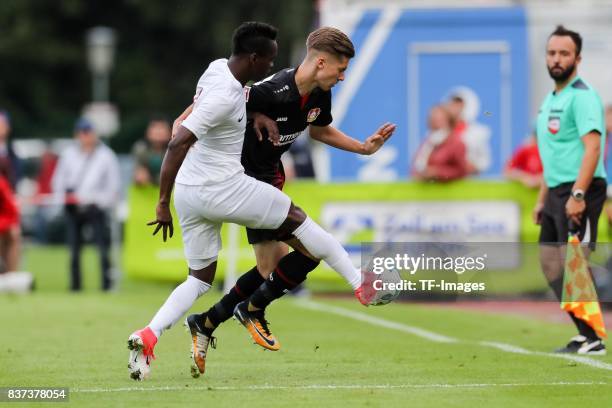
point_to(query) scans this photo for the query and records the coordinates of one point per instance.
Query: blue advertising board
(411, 59)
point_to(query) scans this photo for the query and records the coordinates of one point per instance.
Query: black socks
(244, 287)
(290, 272)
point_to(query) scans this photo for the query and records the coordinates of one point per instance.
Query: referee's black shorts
(555, 222)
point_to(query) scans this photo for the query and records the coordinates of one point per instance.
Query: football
(387, 287)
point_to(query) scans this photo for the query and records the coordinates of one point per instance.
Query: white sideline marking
(329, 387)
(578, 359)
(508, 348)
(307, 304)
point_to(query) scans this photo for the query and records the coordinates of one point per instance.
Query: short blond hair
(332, 40)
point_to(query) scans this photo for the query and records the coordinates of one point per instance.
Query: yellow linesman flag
(579, 295)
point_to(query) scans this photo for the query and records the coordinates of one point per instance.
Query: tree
(162, 49)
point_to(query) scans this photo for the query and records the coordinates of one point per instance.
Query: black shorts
(555, 222)
(256, 236)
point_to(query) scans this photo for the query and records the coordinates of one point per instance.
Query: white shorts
(241, 200)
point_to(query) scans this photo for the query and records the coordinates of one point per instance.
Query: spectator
(48, 163)
(10, 239)
(442, 155)
(525, 165)
(149, 153)
(464, 107)
(87, 175)
(7, 154)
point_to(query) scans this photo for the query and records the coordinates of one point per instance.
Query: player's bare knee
(203, 273)
(295, 218)
(296, 214)
(265, 265)
(268, 254)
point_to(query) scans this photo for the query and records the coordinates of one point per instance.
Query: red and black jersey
(278, 98)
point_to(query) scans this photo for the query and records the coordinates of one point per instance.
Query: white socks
(323, 245)
(177, 304)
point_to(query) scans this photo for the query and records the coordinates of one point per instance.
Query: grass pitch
(334, 353)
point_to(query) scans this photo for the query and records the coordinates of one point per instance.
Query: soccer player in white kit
(203, 161)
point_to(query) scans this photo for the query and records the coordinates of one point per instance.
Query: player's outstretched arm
(336, 138)
(175, 155)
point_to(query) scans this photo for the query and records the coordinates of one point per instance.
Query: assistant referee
(571, 137)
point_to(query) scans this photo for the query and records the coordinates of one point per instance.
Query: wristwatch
(578, 194)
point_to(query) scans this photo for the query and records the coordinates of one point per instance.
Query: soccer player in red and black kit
(284, 104)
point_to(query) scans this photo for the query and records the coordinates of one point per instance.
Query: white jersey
(218, 120)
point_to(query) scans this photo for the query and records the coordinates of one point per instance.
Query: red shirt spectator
(442, 156)
(525, 165)
(9, 211)
(48, 162)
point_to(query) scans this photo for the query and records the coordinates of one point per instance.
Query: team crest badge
(554, 124)
(313, 114)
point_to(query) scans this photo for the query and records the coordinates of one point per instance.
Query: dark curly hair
(253, 37)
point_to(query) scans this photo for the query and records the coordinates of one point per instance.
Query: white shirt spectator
(476, 135)
(94, 177)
